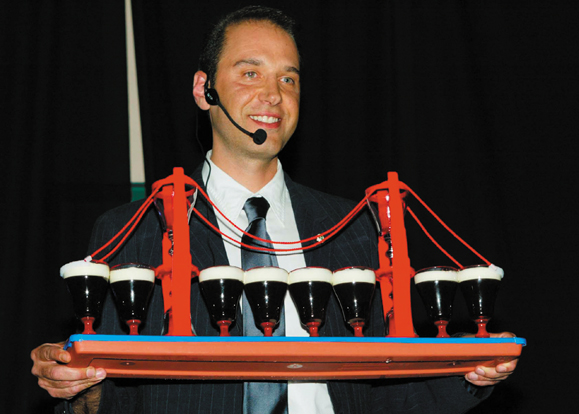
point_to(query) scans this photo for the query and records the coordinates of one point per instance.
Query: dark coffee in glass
(354, 288)
(221, 287)
(87, 283)
(437, 287)
(132, 285)
(310, 289)
(265, 289)
(479, 285)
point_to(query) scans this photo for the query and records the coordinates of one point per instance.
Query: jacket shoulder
(309, 195)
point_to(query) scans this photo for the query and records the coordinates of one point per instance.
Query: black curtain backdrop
(472, 103)
(64, 161)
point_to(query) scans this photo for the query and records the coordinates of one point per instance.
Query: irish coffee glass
(437, 287)
(265, 289)
(479, 285)
(132, 285)
(87, 283)
(354, 288)
(221, 287)
(310, 289)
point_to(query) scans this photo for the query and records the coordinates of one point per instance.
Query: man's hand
(55, 377)
(484, 376)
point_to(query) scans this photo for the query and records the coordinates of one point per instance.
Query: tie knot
(256, 207)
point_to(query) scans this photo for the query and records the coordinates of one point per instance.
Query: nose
(270, 93)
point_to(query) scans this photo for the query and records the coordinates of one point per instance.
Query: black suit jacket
(315, 212)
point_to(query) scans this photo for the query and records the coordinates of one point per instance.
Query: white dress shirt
(229, 196)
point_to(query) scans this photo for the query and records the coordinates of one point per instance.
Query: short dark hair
(215, 40)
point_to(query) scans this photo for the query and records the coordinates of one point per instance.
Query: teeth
(266, 119)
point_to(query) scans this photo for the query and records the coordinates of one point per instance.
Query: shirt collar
(230, 196)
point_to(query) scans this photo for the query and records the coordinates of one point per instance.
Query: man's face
(258, 83)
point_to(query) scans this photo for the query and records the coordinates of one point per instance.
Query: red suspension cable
(317, 239)
(432, 238)
(324, 235)
(320, 238)
(447, 228)
(134, 221)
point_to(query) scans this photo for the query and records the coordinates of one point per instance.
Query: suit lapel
(311, 220)
(207, 247)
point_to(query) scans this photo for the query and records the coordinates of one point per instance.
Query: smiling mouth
(265, 119)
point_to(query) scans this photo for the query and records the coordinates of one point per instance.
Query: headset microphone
(212, 98)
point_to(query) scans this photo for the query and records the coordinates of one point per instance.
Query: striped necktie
(260, 397)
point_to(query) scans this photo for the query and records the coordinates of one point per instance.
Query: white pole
(137, 162)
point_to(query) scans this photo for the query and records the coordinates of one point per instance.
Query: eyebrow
(257, 62)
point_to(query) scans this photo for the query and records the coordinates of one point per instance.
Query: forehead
(262, 41)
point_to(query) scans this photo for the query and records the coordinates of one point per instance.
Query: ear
(199, 81)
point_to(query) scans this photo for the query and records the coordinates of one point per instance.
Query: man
(252, 61)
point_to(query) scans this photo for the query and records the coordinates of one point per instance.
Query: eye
(288, 80)
(251, 75)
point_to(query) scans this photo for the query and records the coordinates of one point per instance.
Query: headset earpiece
(211, 96)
